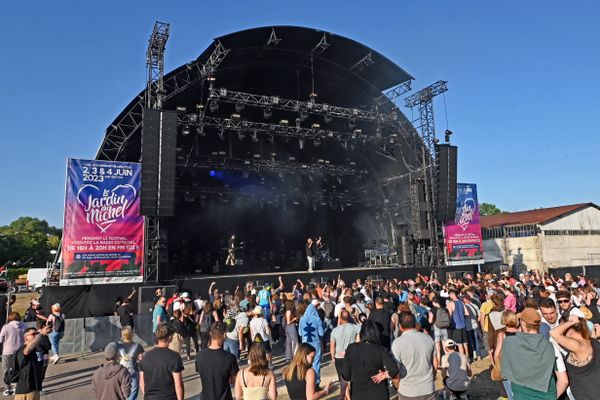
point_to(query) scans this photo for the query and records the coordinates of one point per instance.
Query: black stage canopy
(283, 134)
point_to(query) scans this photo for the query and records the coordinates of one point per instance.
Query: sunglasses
(563, 301)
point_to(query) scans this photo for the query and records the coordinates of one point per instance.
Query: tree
(27, 241)
(489, 209)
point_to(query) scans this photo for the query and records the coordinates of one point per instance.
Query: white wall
(564, 251)
(527, 250)
(584, 219)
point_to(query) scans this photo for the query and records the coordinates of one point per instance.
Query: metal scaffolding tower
(153, 99)
(423, 99)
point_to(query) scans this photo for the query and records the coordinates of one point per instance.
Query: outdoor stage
(98, 300)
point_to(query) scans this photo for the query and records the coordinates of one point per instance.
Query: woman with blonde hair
(257, 381)
(131, 354)
(300, 377)
(510, 321)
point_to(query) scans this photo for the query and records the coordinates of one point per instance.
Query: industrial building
(543, 239)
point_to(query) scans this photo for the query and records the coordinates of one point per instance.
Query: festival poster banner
(103, 235)
(462, 237)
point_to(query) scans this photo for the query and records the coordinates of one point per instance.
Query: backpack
(442, 318)
(230, 324)
(328, 308)
(59, 323)
(12, 372)
(205, 322)
(127, 358)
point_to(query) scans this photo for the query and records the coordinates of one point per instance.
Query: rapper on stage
(230, 261)
(311, 252)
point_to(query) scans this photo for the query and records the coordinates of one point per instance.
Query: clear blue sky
(523, 78)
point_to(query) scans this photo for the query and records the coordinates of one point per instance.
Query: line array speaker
(446, 181)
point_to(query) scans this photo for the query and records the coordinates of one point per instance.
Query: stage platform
(98, 300)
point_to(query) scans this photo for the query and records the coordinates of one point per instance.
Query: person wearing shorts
(457, 310)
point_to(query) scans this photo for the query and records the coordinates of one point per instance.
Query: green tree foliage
(27, 241)
(489, 209)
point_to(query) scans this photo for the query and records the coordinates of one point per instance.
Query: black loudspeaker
(159, 147)
(150, 145)
(446, 181)
(168, 155)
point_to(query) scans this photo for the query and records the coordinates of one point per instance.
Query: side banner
(462, 237)
(103, 235)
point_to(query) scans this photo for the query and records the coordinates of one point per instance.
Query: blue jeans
(54, 340)
(266, 312)
(508, 388)
(135, 385)
(317, 361)
(232, 346)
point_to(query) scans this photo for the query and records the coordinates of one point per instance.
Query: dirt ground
(23, 300)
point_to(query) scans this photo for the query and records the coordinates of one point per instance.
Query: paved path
(71, 378)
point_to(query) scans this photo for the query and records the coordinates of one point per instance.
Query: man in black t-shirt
(381, 317)
(160, 369)
(217, 367)
(125, 314)
(29, 363)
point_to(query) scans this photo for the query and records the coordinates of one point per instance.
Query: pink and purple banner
(103, 235)
(462, 237)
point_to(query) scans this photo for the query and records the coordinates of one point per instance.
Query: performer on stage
(311, 252)
(231, 252)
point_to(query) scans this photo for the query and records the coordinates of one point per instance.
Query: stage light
(213, 106)
(255, 136)
(301, 143)
(298, 126)
(292, 158)
(327, 118)
(436, 141)
(193, 117)
(267, 113)
(212, 173)
(235, 116)
(239, 107)
(284, 122)
(275, 100)
(181, 109)
(223, 92)
(186, 130)
(447, 135)
(315, 126)
(358, 131)
(222, 134)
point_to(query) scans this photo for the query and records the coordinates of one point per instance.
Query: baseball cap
(111, 351)
(530, 316)
(449, 343)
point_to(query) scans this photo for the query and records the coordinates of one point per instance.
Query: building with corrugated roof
(543, 239)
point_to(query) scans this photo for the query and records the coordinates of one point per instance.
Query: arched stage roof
(339, 166)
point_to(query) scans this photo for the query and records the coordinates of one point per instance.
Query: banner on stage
(103, 234)
(462, 237)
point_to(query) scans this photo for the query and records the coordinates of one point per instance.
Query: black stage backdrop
(99, 300)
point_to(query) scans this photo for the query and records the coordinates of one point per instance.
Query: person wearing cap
(456, 371)
(311, 332)
(528, 360)
(34, 312)
(111, 381)
(260, 331)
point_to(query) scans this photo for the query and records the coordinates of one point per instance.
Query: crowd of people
(538, 332)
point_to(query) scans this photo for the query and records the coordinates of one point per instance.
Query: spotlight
(193, 117)
(275, 100)
(267, 113)
(181, 109)
(235, 116)
(239, 107)
(358, 131)
(284, 122)
(315, 126)
(212, 173)
(447, 135)
(186, 130)
(214, 106)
